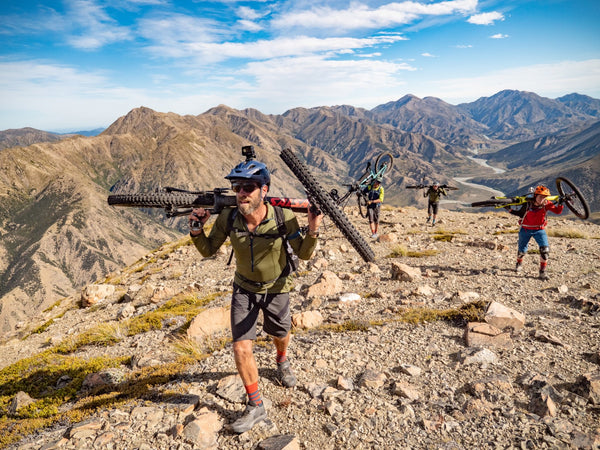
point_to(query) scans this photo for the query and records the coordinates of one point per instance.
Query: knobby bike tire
(163, 199)
(327, 205)
(494, 202)
(450, 188)
(416, 187)
(381, 160)
(362, 205)
(573, 198)
(188, 200)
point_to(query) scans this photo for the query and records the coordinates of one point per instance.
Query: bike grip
(316, 211)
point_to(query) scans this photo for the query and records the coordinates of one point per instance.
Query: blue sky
(80, 64)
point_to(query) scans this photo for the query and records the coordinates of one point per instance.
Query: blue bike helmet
(251, 170)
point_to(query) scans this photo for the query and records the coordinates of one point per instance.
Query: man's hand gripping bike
(567, 194)
(383, 163)
(179, 202)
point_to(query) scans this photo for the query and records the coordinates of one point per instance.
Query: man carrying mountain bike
(375, 193)
(262, 281)
(434, 193)
(532, 225)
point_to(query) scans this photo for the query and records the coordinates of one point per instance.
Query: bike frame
(519, 200)
(358, 187)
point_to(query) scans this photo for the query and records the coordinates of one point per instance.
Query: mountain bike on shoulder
(383, 164)
(427, 186)
(180, 202)
(568, 194)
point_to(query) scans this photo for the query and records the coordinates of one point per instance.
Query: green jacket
(259, 261)
(434, 196)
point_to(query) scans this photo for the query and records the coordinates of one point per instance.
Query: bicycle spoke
(572, 198)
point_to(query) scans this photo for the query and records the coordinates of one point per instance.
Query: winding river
(465, 180)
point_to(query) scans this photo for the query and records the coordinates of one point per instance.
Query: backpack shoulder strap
(230, 219)
(229, 228)
(280, 219)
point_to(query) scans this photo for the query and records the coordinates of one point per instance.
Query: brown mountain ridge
(57, 232)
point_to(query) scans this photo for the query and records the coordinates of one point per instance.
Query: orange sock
(254, 397)
(281, 357)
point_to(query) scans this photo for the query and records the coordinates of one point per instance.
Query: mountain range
(57, 232)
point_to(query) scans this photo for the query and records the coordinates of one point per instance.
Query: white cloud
(359, 16)
(50, 96)
(92, 27)
(314, 81)
(463, 46)
(499, 36)
(428, 55)
(249, 25)
(248, 13)
(548, 80)
(206, 52)
(486, 18)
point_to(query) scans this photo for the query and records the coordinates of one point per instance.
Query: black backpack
(293, 261)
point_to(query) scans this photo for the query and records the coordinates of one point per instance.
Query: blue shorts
(525, 235)
(245, 307)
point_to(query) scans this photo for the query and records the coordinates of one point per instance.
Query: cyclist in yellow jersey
(375, 194)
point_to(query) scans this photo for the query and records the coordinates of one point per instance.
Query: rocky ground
(367, 376)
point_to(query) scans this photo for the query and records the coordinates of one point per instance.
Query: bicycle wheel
(169, 199)
(573, 198)
(325, 202)
(362, 205)
(494, 202)
(384, 161)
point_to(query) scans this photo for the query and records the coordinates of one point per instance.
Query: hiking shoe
(428, 219)
(519, 267)
(285, 375)
(374, 236)
(253, 415)
(544, 275)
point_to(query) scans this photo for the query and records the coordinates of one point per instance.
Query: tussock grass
(185, 304)
(38, 376)
(188, 348)
(350, 325)
(471, 312)
(442, 231)
(441, 234)
(568, 233)
(400, 250)
(511, 231)
(53, 305)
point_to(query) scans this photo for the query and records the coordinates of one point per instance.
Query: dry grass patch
(38, 377)
(471, 312)
(510, 231)
(400, 250)
(568, 233)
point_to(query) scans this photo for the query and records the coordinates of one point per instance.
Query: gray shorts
(245, 307)
(373, 214)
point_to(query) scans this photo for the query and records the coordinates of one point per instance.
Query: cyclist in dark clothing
(261, 281)
(375, 194)
(532, 225)
(434, 193)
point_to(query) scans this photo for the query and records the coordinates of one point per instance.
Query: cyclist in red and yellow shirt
(532, 225)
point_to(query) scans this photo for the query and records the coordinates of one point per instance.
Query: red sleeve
(556, 209)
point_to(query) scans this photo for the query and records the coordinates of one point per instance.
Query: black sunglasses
(246, 187)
